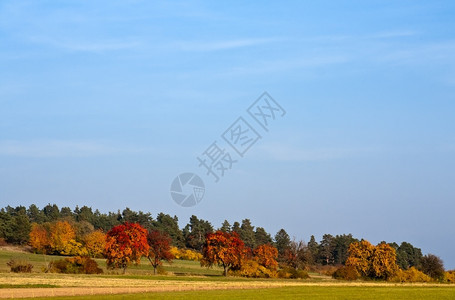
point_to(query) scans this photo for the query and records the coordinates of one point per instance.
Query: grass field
(178, 267)
(187, 280)
(305, 292)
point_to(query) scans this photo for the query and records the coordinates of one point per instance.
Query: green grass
(307, 292)
(178, 267)
(39, 261)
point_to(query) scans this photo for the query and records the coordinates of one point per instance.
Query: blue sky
(103, 103)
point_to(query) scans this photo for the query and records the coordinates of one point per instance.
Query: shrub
(74, 248)
(20, 266)
(74, 265)
(449, 276)
(3, 242)
(253, 269)
(161, 271)
(410, 275)
(346, 273)
(288, 272)
(327, 270)
(185, 254)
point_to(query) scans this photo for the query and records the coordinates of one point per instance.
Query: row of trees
(16, 225)
(82, 232)
(65, 238)
(127, 243)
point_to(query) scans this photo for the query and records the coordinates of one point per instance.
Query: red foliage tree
(225, 249)
(160, 246)
(125, 244)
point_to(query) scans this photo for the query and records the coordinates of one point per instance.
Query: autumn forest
(122, 238)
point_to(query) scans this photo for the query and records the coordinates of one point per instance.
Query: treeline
(16, 225)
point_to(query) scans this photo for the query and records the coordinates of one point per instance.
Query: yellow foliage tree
(383, 261)
(60, 234)
(370, 261)
(359, 257)
(95, 243)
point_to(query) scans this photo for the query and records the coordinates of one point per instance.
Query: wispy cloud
(281, 152)
(125, 44)
(393, 34)
(63, 148)
(87, 46)
(422, 53)
(222, 44)
(309, 62)
(361, 37)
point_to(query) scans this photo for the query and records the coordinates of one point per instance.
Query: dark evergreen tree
(236, 227)
(247, 233)
(65, 212)
(20, 227)
(14, 225)
(282, 242)
(326, 248)
(195, 232)
(313, 249)
(225, 227)
(262, 237)
(51, 212)
(170, 225)
(340, 248)
(144, 219)
(35, 215)
(407, 255)
(6, 230)
(105, 221)
(85, 213)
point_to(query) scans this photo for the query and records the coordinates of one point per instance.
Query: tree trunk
(225, 271)
(154, 270)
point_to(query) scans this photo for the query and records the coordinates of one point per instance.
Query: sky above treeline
(104, 103)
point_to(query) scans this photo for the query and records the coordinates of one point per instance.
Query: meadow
(187, 280)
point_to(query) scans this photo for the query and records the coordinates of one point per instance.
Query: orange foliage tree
(225, 249)
(125, 243)
(39, 239)
(95, 242)
(266, 256)
(160, 248)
